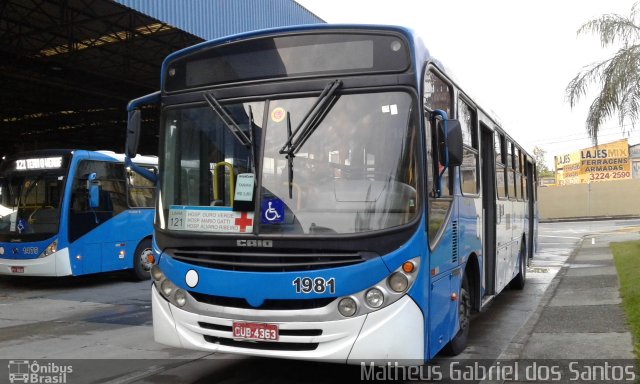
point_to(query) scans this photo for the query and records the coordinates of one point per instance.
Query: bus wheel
(520, 279)
(141, 263)
(459, 341)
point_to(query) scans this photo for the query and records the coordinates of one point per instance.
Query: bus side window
(437, 95)
(518, 167)
(141, 192)
(511, 172)
(469, 175)
(501, 185)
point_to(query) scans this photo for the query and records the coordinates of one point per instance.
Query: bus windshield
(30, 205)
(4, 199)
(356, 171)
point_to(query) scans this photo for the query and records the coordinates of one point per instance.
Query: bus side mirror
(93, 187)
(449, 142)
(454, 143)
(133, 133)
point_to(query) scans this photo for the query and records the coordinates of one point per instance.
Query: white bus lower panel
(56, 264)
(392, 333)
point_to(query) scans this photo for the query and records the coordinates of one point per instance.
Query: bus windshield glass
(30, 197)
(356, 172)
(31, 205)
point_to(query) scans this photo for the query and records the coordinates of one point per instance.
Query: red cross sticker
(243, 222)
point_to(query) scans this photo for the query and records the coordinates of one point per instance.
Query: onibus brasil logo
(24, 371)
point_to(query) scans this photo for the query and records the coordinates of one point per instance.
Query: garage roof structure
(69, 67)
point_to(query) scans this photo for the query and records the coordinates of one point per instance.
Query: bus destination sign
(40, 163)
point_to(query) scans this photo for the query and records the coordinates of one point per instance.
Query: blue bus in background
(328, 192)
(75, 212)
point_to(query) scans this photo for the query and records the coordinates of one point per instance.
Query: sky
(514, 57)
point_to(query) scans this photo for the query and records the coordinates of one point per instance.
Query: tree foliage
(618, 76)
(541, 165)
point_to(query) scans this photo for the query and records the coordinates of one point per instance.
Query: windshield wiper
(308, 125)
(233, 127)
(313, 118)
(227, 119)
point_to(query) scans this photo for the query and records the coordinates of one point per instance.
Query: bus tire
(519, 281)
(459, 342)
(141, 266)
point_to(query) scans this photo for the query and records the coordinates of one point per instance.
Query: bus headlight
(50, 249)
(167, 288)
(156, 273)
(347, 307)
(398, 282)
(374, 298)
(180, 297)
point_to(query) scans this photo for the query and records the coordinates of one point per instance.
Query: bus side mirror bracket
(93, 188)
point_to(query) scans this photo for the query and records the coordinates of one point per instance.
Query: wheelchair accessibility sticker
(22, 226)
(272, 211)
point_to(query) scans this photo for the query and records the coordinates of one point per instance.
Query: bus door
(95, 237)
(84, 247)
(488, 208)
(442, 231)
(531, 186)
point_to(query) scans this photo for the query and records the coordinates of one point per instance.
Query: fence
(597, 200)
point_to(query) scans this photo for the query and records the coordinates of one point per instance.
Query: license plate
(17, 269)
(255, 331)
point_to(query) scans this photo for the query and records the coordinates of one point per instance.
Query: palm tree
(619, 75)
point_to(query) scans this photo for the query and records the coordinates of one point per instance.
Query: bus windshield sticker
(272, 211)
(244, 187)
(209, 219)
(22, 225)
(278, 114)
(392, 109)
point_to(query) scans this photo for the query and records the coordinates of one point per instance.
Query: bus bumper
(392, 334)
(56, 264)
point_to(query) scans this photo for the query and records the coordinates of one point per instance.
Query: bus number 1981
(317, 285)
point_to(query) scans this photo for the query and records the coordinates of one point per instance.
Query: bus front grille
(233, 260)
(269, 304)
(262, 345)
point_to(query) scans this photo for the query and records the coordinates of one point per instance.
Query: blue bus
(329, 193)
(75, 212)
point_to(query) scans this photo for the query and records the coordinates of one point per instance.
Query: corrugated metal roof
(210, 19)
